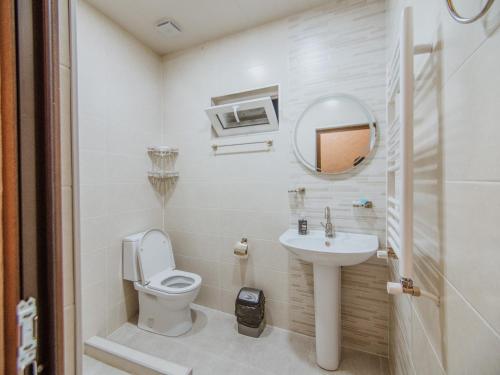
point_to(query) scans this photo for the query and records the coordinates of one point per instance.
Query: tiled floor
(92, 366)
(213, 347)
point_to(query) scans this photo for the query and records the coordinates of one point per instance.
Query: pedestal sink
(327, 255)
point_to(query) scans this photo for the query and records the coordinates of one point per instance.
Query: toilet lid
(155, 254)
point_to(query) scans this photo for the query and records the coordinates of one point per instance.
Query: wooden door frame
(49, 180)
(10, 236)
(45, 122)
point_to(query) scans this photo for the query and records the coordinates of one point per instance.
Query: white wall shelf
(162, 173)
(162, 151)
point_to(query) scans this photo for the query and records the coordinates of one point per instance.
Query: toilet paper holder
(240, 249)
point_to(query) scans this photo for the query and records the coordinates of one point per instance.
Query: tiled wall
(67, 187)
(221, 198)
(119, 115)
(457, 181)
(340, 48)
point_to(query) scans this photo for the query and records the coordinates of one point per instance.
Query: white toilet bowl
(164, 292)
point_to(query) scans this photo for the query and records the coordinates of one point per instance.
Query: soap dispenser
(302, 224)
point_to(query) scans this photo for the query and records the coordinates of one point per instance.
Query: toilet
(165, 293)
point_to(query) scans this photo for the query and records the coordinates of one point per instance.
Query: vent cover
(168, 28)
(253, 111)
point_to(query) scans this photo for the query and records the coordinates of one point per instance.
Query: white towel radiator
(400, 157)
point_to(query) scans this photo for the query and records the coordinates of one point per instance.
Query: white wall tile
(470, 117)
(208, 270)
(196, 245)
(93, 267)
(471, 251)
(93, 311)
(119, 116)
(93, 201)
(470, 345)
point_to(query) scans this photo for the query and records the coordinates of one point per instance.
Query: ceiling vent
(168, 28)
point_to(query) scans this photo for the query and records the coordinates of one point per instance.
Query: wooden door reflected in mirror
(342, 148)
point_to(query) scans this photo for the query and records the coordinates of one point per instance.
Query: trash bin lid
(250, 296)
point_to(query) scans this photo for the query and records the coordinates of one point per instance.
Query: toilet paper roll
(240, 249)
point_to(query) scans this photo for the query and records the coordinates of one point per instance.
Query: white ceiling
(199, 20)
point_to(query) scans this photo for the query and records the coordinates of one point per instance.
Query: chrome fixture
(363, 203)
(457, 17)
(269, 143)
(405, 286)
(299, 190)
(386, 254)
(329, 230)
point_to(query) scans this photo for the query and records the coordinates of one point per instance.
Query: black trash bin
(250, 311)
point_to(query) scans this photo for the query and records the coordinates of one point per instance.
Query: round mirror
(334, 134)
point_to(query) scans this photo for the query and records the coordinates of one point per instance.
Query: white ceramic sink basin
(345, 249)
(327, 255)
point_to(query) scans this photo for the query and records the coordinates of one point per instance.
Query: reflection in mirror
(334, 134)
(339, 149)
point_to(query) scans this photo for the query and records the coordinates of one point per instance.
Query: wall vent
(247, 112)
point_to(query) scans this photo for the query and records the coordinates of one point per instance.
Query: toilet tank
(130, 246)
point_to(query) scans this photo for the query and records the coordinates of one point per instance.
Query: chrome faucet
(329, 230)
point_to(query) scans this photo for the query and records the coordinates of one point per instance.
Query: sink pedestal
(327, 315)
(328, 254)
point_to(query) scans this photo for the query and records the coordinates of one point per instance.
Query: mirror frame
(371, 120)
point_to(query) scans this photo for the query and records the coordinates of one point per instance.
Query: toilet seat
(174, 282)
(157, 266)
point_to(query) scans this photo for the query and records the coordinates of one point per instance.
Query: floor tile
(92, 366)
(214, 347)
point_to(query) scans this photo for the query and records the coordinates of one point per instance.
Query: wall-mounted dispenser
(253, 111)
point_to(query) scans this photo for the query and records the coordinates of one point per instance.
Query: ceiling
(199, 20)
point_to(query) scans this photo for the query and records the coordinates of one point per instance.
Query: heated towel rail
(400, 82)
